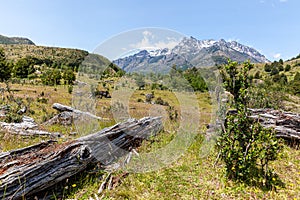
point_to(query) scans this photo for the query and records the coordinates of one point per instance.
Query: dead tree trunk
(27, 171)
(286, 124)
(64, 108)
(27, 127)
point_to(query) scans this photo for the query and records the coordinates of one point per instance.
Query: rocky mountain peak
(192, 52)
(15, 40)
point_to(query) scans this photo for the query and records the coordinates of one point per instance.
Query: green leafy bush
(245, 146)
(5, 68)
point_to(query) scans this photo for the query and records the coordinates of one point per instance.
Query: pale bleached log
(62, 108)
(29, 171)
(286, 124)
(27, 127)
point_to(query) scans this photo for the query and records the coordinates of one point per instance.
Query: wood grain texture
(27, 171)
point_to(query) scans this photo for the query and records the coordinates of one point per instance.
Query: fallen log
(65, 118)
(286, 124)
(31, 170)
(68, 115)
(63, 108)
(27, 127)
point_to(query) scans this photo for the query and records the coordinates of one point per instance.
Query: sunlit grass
(192, 176)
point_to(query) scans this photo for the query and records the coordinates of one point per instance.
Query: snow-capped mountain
(190, 52)
(159, 52)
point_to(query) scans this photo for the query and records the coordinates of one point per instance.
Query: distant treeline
(176, 79)
(277, 77)
(53, 69)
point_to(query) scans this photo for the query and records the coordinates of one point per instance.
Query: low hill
(288, 68)
(44, 58)
(297, 58)
(51, 55)
(15, 40)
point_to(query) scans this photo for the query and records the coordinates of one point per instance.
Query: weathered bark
(27, 127)
(27, 171)
(286, 124)
(68, 115)
(63, 108)
(65, 118)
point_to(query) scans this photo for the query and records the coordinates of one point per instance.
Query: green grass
(192, 176)
(195, 177)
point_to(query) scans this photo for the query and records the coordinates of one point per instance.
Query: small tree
(274, 71)
(287, 68)
(295, 84)
(257, 75)
(5, 68)
(69, 77)
(51, 77)
(297, 77)
(268, 68)
(140, 82)
(24, 67)
(245, 146)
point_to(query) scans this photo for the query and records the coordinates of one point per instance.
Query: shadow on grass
(269, 181)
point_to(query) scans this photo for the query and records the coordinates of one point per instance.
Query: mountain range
(15, 40)
(190, 52)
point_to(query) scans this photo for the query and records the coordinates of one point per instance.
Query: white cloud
(147, 33)
(283, 1)
(145, 42)
(277, 55)
(233, 39)
(169, 44)
(149, 42)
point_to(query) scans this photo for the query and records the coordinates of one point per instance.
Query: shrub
(268, 68)
(287, 68)
(159, 101)
(263, 97)
(257, 75)
(280, 68)
(42, 100)
(13, 118)
(172, 113)
(70, 89)
(149, 97)
(5, 68)
(245, 146)
(274, 71)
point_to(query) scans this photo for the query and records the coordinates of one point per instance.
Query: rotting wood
(31, 170)
(68, 115)
(285, 124)
(62, 108)
(27, 127)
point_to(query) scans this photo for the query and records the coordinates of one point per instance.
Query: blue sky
(270, 26)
